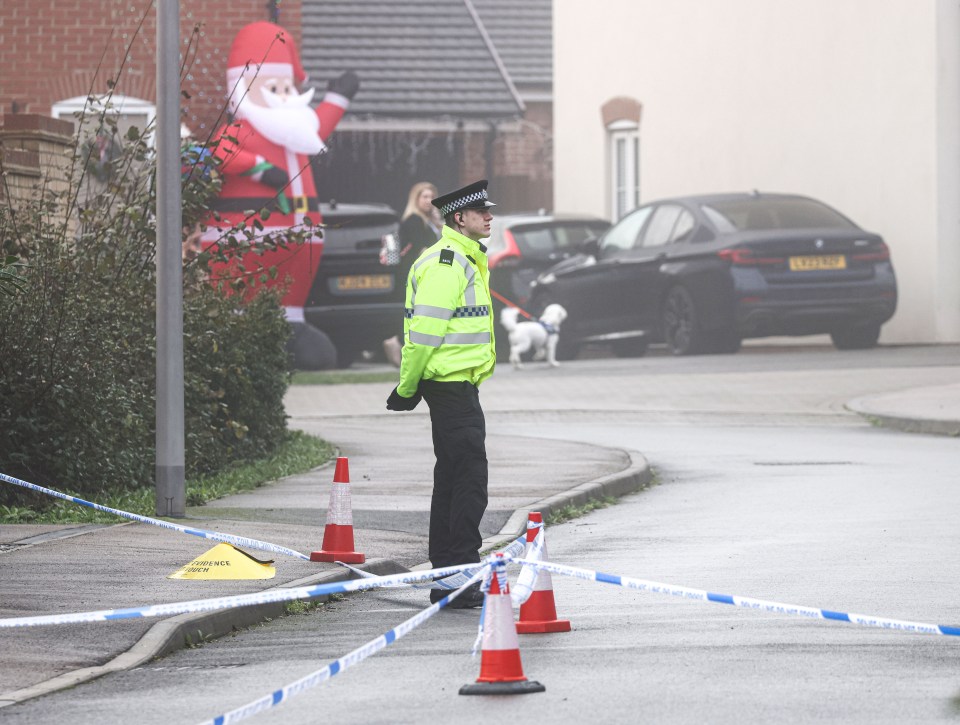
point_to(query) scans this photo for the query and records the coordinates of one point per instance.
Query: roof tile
(416, 58)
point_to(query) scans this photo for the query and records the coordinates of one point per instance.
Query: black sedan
(701, 273)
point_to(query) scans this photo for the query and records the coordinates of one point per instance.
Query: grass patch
(340, 377)
(202, 639)
(300, 606)
(569, 512)
(305, 606)
(298, 453)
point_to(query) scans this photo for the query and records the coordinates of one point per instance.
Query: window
(661, 225)
(760, 213)
(536, 242)
(548, 239)
(625, 167)
(571, 237)
(670, 223)
(683, 229)
(624, 234)
(130, 111)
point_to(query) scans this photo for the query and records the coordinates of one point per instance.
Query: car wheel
(567, 350)
(681, 323)
(310, 348)
(858, 337)
(631, 347)
(346, 357)
(726, 341)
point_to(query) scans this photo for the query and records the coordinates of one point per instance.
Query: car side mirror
(591, 246)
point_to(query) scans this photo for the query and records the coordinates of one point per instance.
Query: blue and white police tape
(337, 666)
(454, 581)
(864, 620)
(212, 535)
(527, 578)
(239, 600)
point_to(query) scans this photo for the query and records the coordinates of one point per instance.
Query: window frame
(623, 156)
(121, 105)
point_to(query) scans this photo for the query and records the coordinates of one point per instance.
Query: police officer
(448, 351)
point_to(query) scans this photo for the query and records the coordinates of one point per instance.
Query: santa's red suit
(259, 172)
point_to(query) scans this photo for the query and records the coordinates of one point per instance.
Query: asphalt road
(768, 488)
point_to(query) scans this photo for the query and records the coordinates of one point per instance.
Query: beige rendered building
(853, 102)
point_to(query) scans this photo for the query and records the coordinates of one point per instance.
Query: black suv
(356, 299)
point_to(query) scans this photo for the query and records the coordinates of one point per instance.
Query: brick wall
(520, 167)
(523, 160)
(21, 173)
(35, 152)
(528, 150)
(51, 50)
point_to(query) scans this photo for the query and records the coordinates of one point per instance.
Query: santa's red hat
(264, 48)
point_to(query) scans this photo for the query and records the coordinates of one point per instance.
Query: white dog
(541, 336)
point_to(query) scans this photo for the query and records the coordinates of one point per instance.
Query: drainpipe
(488, 149)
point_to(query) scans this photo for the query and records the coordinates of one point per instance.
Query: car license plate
(349, 283)
(826, 261)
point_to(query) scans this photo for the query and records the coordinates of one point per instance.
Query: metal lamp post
(170, 486)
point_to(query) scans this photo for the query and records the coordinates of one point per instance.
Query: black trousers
(460, 475)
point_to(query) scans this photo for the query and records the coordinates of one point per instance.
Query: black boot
(471, 598)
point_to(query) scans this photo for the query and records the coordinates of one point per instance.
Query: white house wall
(854, 102)
(947, 259)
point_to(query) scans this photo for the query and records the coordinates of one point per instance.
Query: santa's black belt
(252, 203)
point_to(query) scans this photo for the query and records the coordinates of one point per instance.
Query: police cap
(471, 196)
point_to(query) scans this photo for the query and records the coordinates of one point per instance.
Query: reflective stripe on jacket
(448, 321)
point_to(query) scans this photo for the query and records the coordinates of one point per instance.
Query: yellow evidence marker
(225, 561)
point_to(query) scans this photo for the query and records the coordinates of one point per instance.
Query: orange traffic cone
(501, 672)
(539, 613)
(338, 535)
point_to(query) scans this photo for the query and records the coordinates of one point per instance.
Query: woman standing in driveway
(420, 225)
(419, 228)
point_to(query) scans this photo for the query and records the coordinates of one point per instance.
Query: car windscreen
(758, 214)
(544, 240)
(351, 234)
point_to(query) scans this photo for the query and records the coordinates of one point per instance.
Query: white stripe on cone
(543, 581)
(499, 631)
(340, 510)
(538, 614)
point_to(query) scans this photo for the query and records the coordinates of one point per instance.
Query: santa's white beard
(291, 124)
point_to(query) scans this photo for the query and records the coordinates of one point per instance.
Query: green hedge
(235, 370)
(77, 344)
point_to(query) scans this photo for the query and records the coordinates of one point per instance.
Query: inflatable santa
(265, 152)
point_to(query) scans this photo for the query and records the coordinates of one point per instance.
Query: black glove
(347, 84)
(398, 402)
(275, 177)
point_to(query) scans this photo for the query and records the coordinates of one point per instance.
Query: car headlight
(548, 278)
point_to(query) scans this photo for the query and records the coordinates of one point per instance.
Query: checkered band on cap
(460, 203)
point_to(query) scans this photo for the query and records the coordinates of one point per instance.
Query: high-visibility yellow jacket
(448, 320)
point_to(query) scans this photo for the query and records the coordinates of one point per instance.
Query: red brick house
(411, 120)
